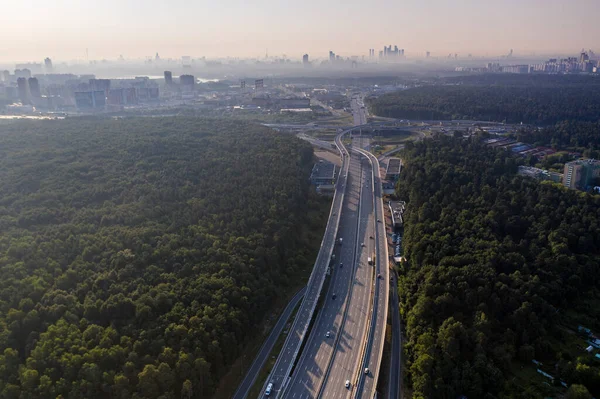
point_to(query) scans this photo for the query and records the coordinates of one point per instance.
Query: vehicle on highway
(341, 239)
(333, 296)
(366, 370)
(341, 265)
(379, 276)
(379, 220)
(347, 384)
(269, 389)
(371, 237)
(370, 260)
(362, 245)
(328, 334)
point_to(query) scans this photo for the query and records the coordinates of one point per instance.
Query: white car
(269, 389)
(327, 334)
(347, 383)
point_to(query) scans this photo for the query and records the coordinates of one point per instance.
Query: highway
(348, 332)
(267, 347)
(359, 110)
(279, 376)
(373, 353)
(395, 378)
(327, 362)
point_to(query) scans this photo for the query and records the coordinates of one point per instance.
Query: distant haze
(63, 29)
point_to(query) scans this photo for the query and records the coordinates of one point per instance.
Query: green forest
(139, 255)
(536, 99)
(581, 137)
(501, 270)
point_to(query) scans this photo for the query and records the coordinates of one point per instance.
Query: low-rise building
(540, 174)
(392, 171)
(323, 174)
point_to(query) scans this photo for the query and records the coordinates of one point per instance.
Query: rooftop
(323, 173)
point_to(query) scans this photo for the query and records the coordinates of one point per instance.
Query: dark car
(333, 296)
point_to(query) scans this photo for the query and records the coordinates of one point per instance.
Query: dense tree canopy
(501, 98)
(583, 137)
(138, 255)
(493, 262)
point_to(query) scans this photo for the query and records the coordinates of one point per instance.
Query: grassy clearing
(395, 138)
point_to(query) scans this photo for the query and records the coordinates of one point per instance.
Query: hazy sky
(62, 29)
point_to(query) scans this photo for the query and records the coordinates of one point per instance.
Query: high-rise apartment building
(23, 73)
(48, 65)
(581, 174)
(22, 89)
(100, 85)
(168, 78)
(34, 87)
(187, 83)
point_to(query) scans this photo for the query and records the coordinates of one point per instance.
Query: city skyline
(72, 30)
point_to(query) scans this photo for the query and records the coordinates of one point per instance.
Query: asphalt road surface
(378, 318)
(291, 347)
(267, 347)
(395, 379)
(318, 372)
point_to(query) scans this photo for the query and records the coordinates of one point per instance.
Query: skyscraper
(305, 59)
(168, 78)
(22, 88)
(34, 87)
(48, 65)
(331, 56)
(187, 83)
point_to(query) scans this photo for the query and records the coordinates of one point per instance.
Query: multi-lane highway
(359, 111)
(279, 376)
(395, 378)
(341, 356)
(373, 352)
(267, 347)
(328, 361)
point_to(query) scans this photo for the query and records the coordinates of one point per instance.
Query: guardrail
(316, 273)
(379, 208)
(369, 327)
(349, 298)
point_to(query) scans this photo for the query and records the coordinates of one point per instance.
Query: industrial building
(392, 171)
(396, 210)
(323, 176)
(294, 102)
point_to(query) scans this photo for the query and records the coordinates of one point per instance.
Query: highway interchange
(348, 331)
